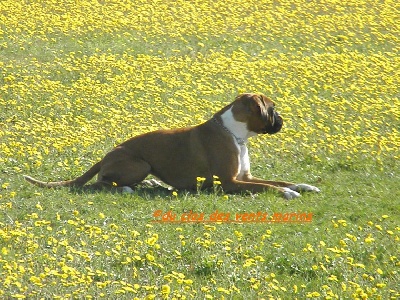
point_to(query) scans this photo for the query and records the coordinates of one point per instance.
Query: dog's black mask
(273, 122)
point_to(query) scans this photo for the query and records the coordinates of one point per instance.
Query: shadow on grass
(146, 191)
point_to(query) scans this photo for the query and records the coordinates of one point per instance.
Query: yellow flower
(332, 278)
(369, 239)
(152, 240)
(165, 289)
(313, 295)
(150, 257)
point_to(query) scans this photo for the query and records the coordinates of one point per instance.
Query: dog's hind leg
(121, 176)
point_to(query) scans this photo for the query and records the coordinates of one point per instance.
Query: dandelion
(369, 239)
(238, 234)
(333, 278)
(165, 289)
(223, 290)
(216, 180)
(313, 295)
(308, 248)
(150, 257)
(152, 240)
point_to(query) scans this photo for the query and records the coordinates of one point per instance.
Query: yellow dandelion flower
(165, 289)
(150, 257)
(369, 239)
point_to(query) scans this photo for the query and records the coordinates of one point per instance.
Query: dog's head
(258, 112)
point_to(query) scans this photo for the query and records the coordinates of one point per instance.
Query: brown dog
(178, 157)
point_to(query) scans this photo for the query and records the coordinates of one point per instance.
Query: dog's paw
(152, 183)
(289, 194)
(127, 190)
(302, 187)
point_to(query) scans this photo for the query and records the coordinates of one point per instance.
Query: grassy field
(79, 77)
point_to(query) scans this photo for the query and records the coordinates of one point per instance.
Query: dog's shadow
(145, 191)
(138, 191)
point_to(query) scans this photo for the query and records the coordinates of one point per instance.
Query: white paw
(152, 183)
(127, 190)
(304, 188)
(290, 194)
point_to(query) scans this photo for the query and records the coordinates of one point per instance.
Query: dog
(178, 157)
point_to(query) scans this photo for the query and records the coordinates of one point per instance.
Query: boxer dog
(179, 156)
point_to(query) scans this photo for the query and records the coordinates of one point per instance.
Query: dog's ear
(251, 104)
(256, 104)
(243, 107)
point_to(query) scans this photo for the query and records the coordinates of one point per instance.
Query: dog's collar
(240, 141)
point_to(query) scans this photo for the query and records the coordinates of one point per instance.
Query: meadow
(79, 77)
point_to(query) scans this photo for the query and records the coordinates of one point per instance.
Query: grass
(78, 78)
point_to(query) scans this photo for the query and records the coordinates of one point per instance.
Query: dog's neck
(237, 129)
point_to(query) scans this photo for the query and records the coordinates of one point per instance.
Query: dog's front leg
(236, 186)
(287, 186)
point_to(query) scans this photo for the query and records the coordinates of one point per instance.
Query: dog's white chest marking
(240, 132)
(244, 161)
(238, 129)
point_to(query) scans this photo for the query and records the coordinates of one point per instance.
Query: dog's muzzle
(274, 122)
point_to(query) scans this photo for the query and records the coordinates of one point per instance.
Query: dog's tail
(77, 182)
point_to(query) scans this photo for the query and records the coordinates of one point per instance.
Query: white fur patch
(238, 129)
(304, 188)
(244, 161)
(290, 194)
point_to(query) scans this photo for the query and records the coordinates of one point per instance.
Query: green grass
(70, 92)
